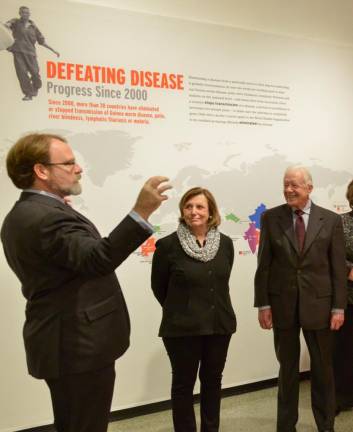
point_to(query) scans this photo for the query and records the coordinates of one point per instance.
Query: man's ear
(41, 171)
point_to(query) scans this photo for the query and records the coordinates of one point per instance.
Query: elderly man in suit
(77, 322)
(300, 284)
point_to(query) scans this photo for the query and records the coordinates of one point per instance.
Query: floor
(249, 412)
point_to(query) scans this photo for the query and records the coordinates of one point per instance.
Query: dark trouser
(343, 361)
(81, 402)
(287, 346)
(27, 71)
(186, 354)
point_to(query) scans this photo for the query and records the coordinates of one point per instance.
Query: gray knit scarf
(191, 248)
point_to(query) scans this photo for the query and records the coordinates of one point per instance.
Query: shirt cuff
(264, 307)
(341, 311)
(142, 222)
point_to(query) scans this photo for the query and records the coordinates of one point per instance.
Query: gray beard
(76, 189)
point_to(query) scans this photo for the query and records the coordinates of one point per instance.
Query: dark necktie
(300, 228)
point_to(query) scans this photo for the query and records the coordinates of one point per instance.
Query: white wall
(319, 134)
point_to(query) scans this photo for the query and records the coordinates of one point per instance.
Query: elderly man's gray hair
(299, 168)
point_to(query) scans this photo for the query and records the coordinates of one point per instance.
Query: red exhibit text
(87, 73)
(112, 75)
(157, 80)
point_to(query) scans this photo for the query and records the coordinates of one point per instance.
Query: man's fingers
(156, 181)
(163, 197)
(266, 325)
(151, 196)
(265, 319)
(164, 188)
(337, 321)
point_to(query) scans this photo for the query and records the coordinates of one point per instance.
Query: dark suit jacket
(76, 316)
(302, 286)
(194, 294)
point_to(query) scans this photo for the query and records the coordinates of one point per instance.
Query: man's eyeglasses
(67, 163)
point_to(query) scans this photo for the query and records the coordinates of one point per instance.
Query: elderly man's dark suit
(76, 316)
(302, 289)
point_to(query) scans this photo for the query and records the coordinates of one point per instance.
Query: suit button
(299, 271)
(211, 289)
(213, 306)
(209, 272)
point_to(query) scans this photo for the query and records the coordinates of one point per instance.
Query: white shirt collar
(306, 209)
(41, 192)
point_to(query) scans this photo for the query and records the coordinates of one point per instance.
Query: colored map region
(232, 217)
(256, 217)
(148, 247)
(252, 234)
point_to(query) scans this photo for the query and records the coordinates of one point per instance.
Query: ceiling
(326, 20)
